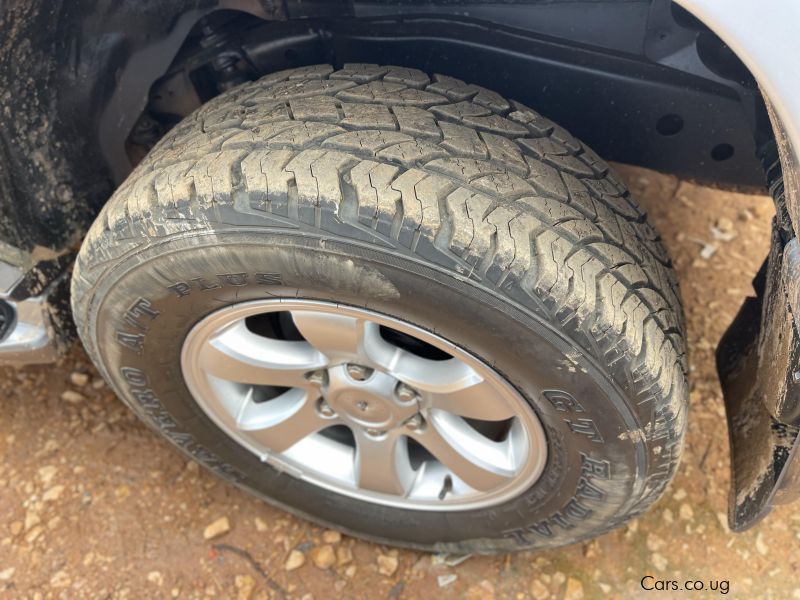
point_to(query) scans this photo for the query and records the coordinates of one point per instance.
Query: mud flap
(758, 361)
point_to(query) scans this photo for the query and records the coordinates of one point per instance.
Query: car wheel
(398, 306)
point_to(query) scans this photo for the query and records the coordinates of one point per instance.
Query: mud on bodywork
(758, 361)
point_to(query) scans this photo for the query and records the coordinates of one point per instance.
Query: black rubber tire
(432, 201)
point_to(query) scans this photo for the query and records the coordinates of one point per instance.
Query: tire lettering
(562, 401)
(585, 427)
(184, 288)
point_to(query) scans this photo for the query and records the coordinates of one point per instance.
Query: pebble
(15, 528)
(668, 516)
(53, 493)
(761, 546)
(331, 537)
(387, 565)
(539, 590)
(295, 560)
(261, 526)
(31, 520)
(219, 527)
(344, 555)
(323, 556)
(658, 561)
(654, 543)
(7, 574)
(445, 580)
(685, 512)
(47, 473)
(244, 586)
(679, 495)
(78, 379)
(60, 579)
(574, 590)
(155, 577)
(72, 397)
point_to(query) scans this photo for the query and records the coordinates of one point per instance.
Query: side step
(33, 311)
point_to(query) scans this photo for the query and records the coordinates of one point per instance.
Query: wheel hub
(337, 404)
(371, 402)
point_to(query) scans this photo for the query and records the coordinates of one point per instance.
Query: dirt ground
(94, 505)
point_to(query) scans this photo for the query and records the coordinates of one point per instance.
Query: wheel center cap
(370, 403)
(367, 410)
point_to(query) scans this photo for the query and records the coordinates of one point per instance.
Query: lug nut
(325, 409)
(358, 372)
(415, 423)
(374, 432)
(316, 377)
(406, 393)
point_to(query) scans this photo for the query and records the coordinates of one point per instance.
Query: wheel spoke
(336, 336)
(478, 461)
(382, 464)
(280, 423)
(476, 400)
(237, 354)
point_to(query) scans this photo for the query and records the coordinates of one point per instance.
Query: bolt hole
(722, 152)
(669, 125)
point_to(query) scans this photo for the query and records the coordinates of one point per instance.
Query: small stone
(445, 580)
(261, 526)
(761, 546)
(155, 577)
(539, 590)
(31, 520)
(723, 521)
(654, 543)
(219, 527)
(175, 592)
(47, 473)
(559, 578)
(295, 560)
(724, 224)
(15, 528)
(72, 397)
(53, 493)
(33, 534)
(668, 516)
(685, 512)
(658, 561)
(344, 555)
(121, 492)
(387, 565)
(605, 588)
(7, 574)
(244, 586)
(78, 379)
(679, 495)
(323, 557)
(574, 590)
(350, 571)
(331, 537)
(60, 579)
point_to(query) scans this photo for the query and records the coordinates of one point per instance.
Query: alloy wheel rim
(363, 404)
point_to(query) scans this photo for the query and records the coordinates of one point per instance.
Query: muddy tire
(432, 204)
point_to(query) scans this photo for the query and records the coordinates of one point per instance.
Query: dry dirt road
(94, 505)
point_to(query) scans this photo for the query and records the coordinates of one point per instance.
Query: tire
(431, 201)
